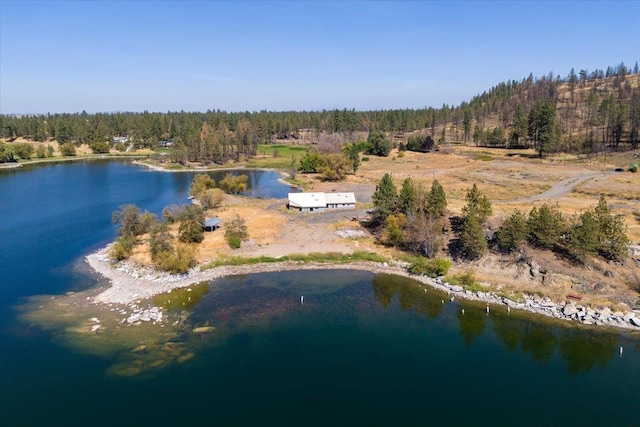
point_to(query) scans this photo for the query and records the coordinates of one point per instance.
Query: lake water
(363, 349)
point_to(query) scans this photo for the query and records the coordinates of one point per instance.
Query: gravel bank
(131, 282)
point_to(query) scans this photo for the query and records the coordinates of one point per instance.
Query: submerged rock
(139, 349)
(185, 357)
(203, 329)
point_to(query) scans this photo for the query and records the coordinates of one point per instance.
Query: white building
(319, 202)
(340, 200)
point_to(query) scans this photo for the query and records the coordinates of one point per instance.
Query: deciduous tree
(235, 232)
(191, 227)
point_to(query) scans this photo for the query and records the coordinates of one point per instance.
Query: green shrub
(99, 147)
(122, 248)
(6, 153)
(179, 260)
(467, 280)
(311, 163)
(41, 152)
(235, 232)
(200, 183)
(634, 168)
(234, 241)
(365, 158)
(68, 149)
(432, 267)
(211, 198)
(23, 150)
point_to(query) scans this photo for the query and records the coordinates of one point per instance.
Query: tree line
(587, 110)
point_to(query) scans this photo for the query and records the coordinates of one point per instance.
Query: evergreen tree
(583, 236)
(436, 200)
(378, 144)
(466, 122)
(385, 198)
(543, 128)
(408, 200)
(513, 232)
(472, 241)
(519, 125)
(545, 226)
(612, 232)
(478, 205)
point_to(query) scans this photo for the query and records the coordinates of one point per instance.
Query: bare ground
(511, 183)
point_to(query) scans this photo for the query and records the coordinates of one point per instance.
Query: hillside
(589, 112)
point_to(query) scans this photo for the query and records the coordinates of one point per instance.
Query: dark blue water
(362, 350)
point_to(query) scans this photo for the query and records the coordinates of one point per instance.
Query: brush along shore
(130, 282)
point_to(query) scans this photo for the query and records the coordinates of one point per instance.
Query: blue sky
(247, 56)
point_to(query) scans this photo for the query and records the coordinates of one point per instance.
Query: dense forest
(584, 112)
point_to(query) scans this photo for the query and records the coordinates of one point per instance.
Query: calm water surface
(364, 349)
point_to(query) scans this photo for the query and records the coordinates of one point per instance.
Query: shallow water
(362, 349)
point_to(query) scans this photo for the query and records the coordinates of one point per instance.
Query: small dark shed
(211, 224)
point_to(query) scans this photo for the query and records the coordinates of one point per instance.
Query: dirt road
(559, 189)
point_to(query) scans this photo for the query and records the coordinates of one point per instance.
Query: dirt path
(559, 189)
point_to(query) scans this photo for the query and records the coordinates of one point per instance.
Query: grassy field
(277, 156)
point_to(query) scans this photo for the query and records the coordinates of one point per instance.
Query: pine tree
(466, 122)
(583, 236)
(478, 205)
(385, 198)
(543, 127)
(513, 232)
(436, 200)
(408, 200)
(472, 241)
(519, 125)
(612, 232)
(545, 226)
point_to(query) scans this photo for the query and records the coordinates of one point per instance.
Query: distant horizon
(65, 57)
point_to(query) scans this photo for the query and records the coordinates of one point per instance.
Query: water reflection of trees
(581, 349)
(472, 324)
(410, 295)
(584, 351)
(260, 184)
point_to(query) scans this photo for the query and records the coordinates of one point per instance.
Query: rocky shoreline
(130, 282)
